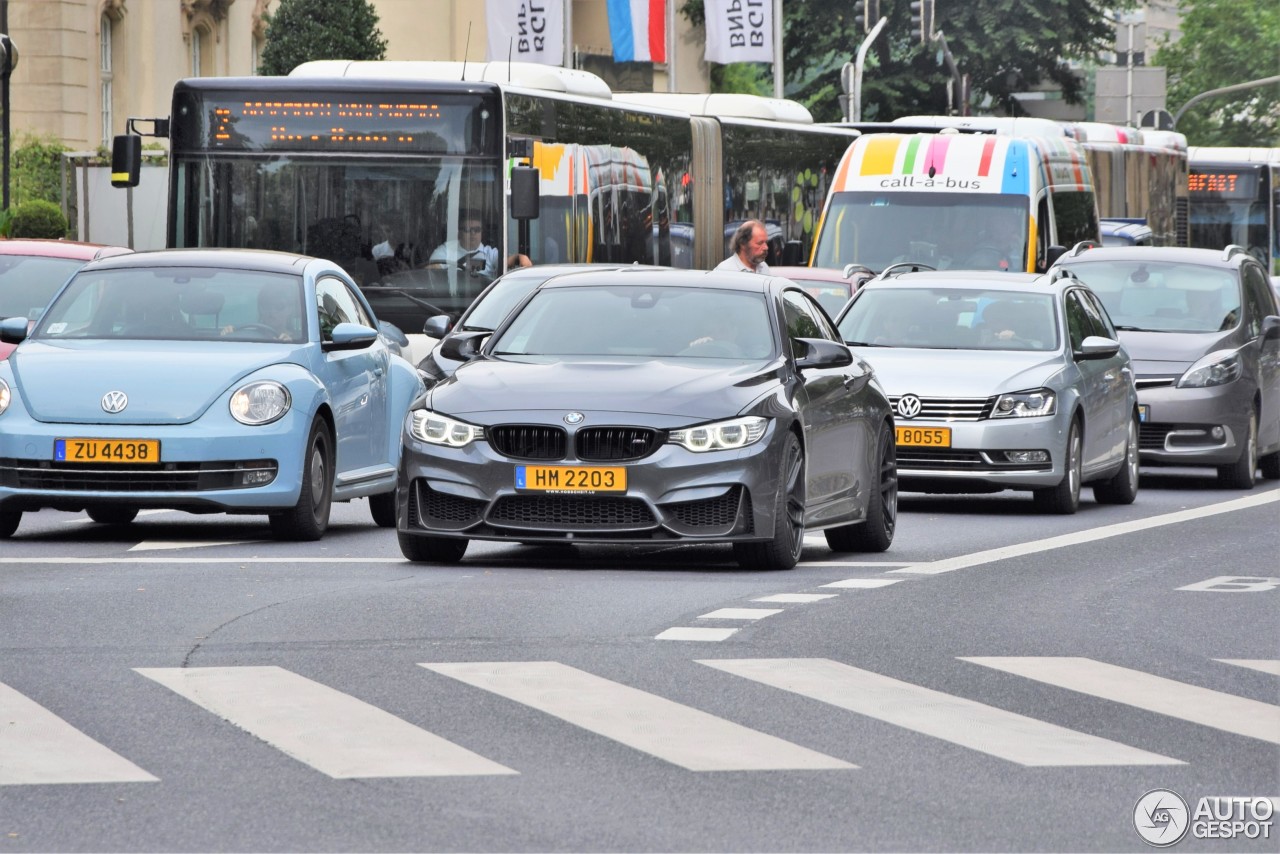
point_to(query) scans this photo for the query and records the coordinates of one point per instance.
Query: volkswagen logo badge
(573, 418)
(114, 401)
(908, 406)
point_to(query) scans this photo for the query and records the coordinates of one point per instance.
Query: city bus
(1235, 198)
(376, 164)
(961, 201)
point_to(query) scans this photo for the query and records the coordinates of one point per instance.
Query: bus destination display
(366, 124)
(1223, 184)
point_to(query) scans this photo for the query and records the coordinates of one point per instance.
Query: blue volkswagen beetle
(205, 380)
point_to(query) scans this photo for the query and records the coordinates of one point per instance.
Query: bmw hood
(165, 382)
(1170, 352)
(959, 373)
(701, 389)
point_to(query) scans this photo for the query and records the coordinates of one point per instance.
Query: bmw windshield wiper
(865, 344)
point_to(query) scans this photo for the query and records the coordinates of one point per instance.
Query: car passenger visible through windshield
(951, 319)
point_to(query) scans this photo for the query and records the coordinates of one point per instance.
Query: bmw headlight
(260, 403)
(722, 435)
(1217, 368)
(440, 429)
(5, 396)
(1026, 404)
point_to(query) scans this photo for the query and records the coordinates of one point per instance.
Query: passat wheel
(783, 550)
(309, 518)
(1065, 497)
(875, 534)
(1122, 487)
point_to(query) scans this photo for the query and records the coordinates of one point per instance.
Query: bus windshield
(970, 231)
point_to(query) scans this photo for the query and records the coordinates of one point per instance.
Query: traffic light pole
(855, 110)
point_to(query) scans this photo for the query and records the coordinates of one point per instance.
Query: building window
(105, 75)
(202, 54)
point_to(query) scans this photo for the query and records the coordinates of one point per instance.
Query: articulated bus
(373, 164)
(960, 201)
(1235, 198)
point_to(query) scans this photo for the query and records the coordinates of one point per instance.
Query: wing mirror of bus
(525, 199)
(126, 160)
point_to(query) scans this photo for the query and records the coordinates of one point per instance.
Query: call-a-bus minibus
(958, 201)
(1235, 198)
(1139, 174)
(374, 164)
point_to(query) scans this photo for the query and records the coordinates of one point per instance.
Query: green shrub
(37, 218)
(36, 170)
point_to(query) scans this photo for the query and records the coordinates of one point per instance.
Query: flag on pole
(638, 29)
(739, 30)
(525, 32)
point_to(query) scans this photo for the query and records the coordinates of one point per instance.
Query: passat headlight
(1217, 368)
(442, 430)
(5, 396)
(722, 435)
(1025, 404)
(260, 403)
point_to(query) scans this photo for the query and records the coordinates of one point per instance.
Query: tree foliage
(37, 218)
(1224, 43)
(303, 30)
(1004, 46)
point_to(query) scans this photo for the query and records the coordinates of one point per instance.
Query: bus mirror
(1054, 253)
(126, 160)
(525, 182)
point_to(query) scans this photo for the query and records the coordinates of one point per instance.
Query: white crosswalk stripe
(38, 747)
(344, 737)
(333, 732)
(1204, 706)
(997, 732)
(679, 734)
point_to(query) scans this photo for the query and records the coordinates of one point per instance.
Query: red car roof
(60, 249)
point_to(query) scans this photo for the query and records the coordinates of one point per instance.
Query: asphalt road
(998, 680)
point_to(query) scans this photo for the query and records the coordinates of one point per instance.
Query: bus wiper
(418, 301)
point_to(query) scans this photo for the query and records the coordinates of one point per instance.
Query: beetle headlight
(440, 429)
(1217, 368)
(5, 396)
(1025, 404)
(260, 403)
(722, 435)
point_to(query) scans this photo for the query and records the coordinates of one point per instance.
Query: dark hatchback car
(1203, 329)
(652, 406)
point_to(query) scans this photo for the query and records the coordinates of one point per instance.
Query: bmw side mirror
(462, 347)
(821, 353)
(1270, 328)
(13, 330)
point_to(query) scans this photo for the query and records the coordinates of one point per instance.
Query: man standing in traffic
(749, 247)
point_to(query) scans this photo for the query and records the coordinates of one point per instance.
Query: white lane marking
(980, 727)
(162, 545)
(740, 614)
(1266, 665)
(863, 583)
(335, 733)
(679, 734)
(37, 748)
(1146, 691)
(938, 567)
(799, 598)
(878, 564)
(695, 633)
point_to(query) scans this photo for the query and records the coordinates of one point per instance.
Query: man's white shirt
(734, 263)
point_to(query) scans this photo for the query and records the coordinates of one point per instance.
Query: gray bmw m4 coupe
(652, 406)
